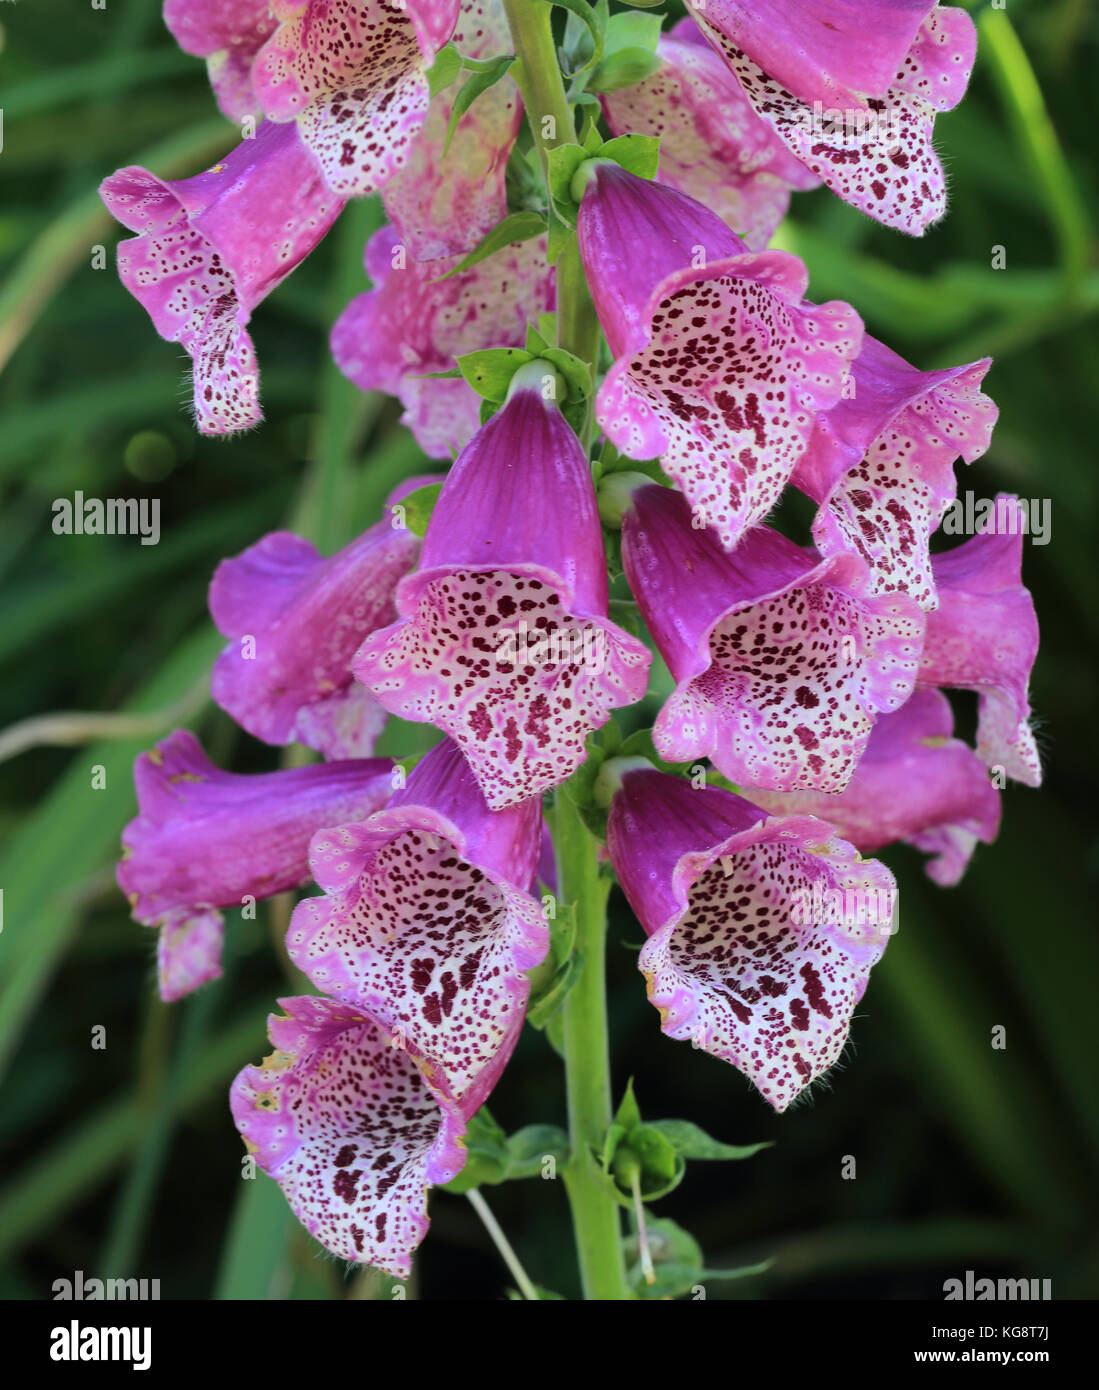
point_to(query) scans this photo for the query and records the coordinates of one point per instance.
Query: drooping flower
(915, 783)
(428, 923)
(881, 463)
(504, 640)
(721, 366)
(210, 248)
(353, 75)
(713, 146)
(296, 619)
(782, 659)
(205, 839)
(444, 199)
(984, 637)
(853, 91)
(413, 323)
(350, 1129)
(762, 930)
(228, 34)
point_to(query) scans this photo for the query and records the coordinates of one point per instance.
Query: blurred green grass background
(124, 1161)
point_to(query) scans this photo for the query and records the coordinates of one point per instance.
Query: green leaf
(516, 227)
(692, 1142)
(479, 82)
(487, 1163)
(418, 506)
(640, 154)
(446, 67)
(626, 31)
(625, 68)
(529, 1147)
(489, 371)
(551, 1000)
(559, 236)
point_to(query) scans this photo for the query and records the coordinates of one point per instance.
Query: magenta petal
(723, 371)
(782, 660)
(713, 146)
(881, 464)
(822, 50)
(350, 1129)
(984, 637)
(228, 34)
(427, 922)
(210, 248)
(296, 621)
(880, 159)
(352, 73)
(914, 783)
(762, 931)
(504, 640)
(412, 323)
(205, 839)
(442, 205)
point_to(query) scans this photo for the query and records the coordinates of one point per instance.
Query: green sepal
(677, 1263)
(418, 506)
(494, 1158)
(562, 163)
(639, 154)
(490, 370)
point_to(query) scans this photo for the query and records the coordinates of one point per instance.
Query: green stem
(595, 1213)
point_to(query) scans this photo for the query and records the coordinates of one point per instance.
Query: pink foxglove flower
(428, 923)
(212, 247)
(853, 90)
(228, 34)
(881, 463)
(721, 366)
(504, 640)
(712, 144)
(782, 659)
(296, 619)
(350, 1129)
(915, 783)
(443, 204)
(205, 839)
(353, 75)
(413, 323)
(762, 930)
(984, 637)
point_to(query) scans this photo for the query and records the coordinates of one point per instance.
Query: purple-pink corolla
(762, 930)
(414, 322)
(205, 839)
(503, 639)
(782, 659)
(853, 90)
(881, 463)
(721, 365)
(228, 34)
(212, 247)
(296, 619)
(713, 146)
(428, 923)
(352, 74)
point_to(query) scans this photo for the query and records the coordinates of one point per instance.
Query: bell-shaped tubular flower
(712, 144)
(762, 930)
(428, 923)
(853, 91)
(205, 839)
(721, 366)
(782, 659)
(353, 75)
(228, 34)
(350, 1129)
(881, 464)
(984, 637)
(296, 619)
(413, 323)
(504, 640)
(915, 783)
(444, 199)
(212, 247)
